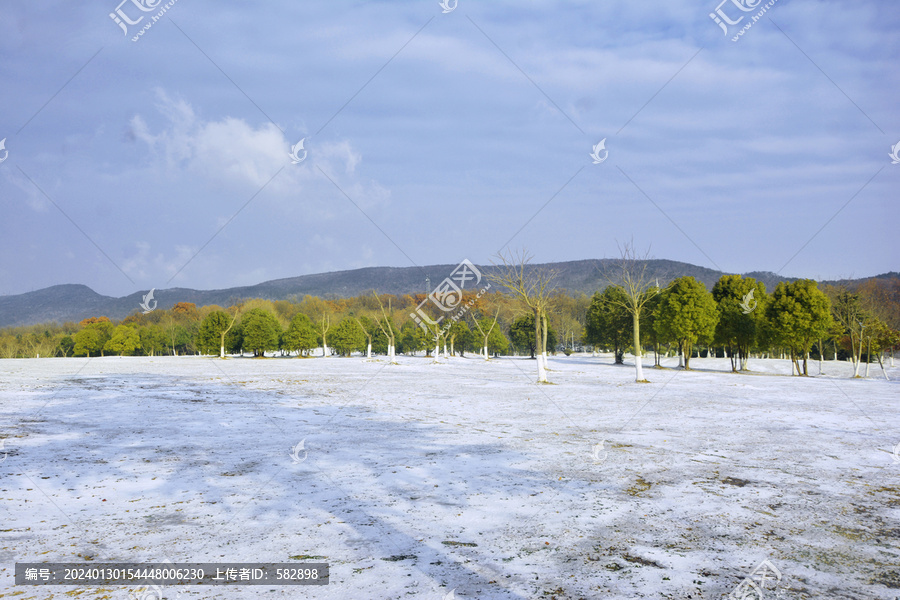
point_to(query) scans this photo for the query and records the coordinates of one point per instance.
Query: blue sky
(450, 131)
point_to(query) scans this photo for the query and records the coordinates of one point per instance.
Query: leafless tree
(532, 288)
(387, 327)
(639, 288)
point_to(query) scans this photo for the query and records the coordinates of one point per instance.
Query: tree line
(313, 326)
(737, 319)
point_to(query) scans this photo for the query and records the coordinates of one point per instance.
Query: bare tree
(639, 290)
(532, 288)
(486, 333)
(366, 333)
(387, 327)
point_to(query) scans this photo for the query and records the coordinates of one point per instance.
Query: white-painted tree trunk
(638, 367)
(542, 373)
(485, 352)
(369, 350)
(324, 350)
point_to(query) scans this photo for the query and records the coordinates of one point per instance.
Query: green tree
(799, 314)
(686, 314)
(212, 331)
(347, 337)
(153, 339)
(125, 339)
(459, 332)
(92, 338)
(498, 344)
(300, 336)
(741, 304)
(412, 339)
(608, 323)
(65, 346)
(261, 331)
(521, 333)
(649, 329)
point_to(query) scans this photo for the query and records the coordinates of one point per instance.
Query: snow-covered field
(424, 478)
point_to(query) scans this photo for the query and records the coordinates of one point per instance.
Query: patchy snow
(424, 478)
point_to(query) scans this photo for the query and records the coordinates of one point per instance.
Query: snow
(462, 475)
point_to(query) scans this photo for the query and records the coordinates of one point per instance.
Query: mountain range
(74, 302)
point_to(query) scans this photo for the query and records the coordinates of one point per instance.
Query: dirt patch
(735, 481)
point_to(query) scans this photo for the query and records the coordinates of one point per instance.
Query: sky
(433, 134)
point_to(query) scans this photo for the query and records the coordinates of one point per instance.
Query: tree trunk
(485, 351)
(881, 364)
(868, 354)
(544, 329)
(539, 351)
(638, 367)
(686, 353)
(369, 350)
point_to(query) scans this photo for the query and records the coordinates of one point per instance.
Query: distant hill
(73, 302)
